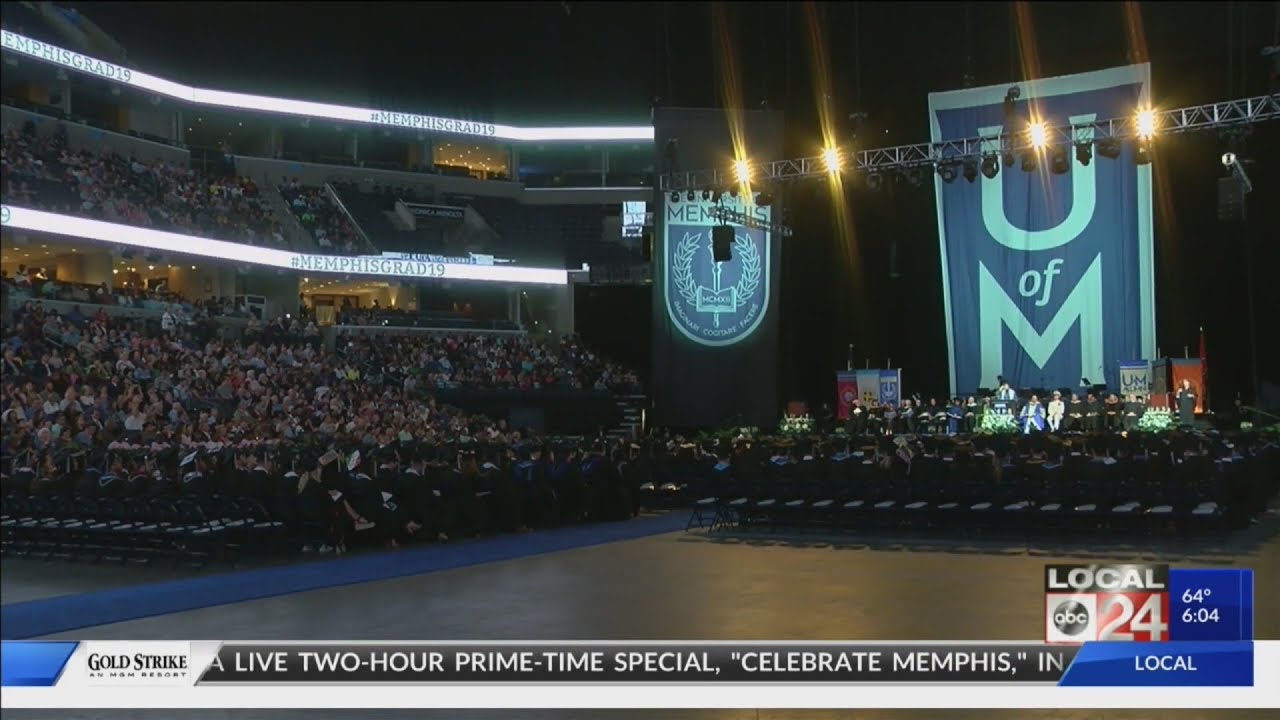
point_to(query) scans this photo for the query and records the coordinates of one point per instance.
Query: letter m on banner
(1047, 277)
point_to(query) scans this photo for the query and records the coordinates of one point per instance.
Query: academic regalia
(1092, 415)
(955, 417)
(1032, 418)
(1187, 407)
(1074, 420)
(1132, 412)
(1113, 410)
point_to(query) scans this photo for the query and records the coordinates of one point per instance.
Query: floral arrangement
(997, 423)
(1156, 420)
(796, 425)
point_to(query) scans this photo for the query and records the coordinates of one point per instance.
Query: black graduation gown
(1186, 407)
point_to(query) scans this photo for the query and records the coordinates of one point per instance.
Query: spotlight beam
(1231, 113)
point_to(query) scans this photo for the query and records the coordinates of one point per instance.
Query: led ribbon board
(406, 269)
(111, 72)
(1047, 278)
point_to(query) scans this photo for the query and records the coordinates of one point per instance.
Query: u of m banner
(1048, 278)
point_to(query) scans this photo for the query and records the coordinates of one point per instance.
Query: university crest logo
(714, 303)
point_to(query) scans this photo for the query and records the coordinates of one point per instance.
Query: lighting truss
(724, 214)
(1168, 122)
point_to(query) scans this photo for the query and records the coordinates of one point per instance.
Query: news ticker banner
(634, 674)
(438, 268)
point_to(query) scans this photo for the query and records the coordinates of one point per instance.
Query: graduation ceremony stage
(641, 579)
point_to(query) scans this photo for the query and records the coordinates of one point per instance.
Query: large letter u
(1083, 200)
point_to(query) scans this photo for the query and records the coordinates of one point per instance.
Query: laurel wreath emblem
(682, 267)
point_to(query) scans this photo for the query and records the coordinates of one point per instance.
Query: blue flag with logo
(712, 303)
(890, 386)
(1047, 277)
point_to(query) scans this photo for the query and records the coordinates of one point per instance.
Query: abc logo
(1071, 618)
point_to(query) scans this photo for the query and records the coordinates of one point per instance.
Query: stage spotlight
(716, 195)
(706, 194)
(832, 158)
(947, 171)
(991, 166)
(970, 169)
(916, 176)
(675, 196)
(1084, 153)
(874, 181)
(1142, 152)
(1059, 161)
(1038, 134)
(1109, 148)
(764, 199)
(1145, 122)
(691, 196)
(1009, 158)
(1029, 161)
(733, 191)
(742, 171)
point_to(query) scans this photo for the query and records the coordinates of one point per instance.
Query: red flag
(1204, 372)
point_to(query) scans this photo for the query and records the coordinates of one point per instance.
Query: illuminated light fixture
(1059, 160)
(1142, 152)
(970, 169)
(1145, 123)
(991, 166)
(691, 196)
(1038, 134)
(1084, 153)
(764, 199)
(1029, 161)
(733, 191)
(874, 181)
(675, 196)
(1109, 148)
(831, 156)
(947, 171)
(742, 171)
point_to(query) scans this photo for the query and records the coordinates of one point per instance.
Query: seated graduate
(1032, 416)
(1133, 409)
(1112, 412)
(971, 412)
(907, 416)
(955, 416)
(1074, 420)
(890, 416)
(923, 416)
(1057, 409)
(1092, 414)
(938, 415)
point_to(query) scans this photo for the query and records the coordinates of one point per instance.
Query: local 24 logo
(1083, 603)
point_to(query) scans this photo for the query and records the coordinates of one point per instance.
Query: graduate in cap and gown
(1033, 416)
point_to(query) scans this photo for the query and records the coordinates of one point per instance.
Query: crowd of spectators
(41, 171)
(321, 217)
(494, 362)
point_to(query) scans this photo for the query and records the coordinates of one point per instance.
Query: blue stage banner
(890, 386)
(1135, 378)
(1047, 278)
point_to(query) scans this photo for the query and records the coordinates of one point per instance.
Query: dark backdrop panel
(699, 383)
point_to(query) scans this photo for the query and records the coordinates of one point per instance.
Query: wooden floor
(681, 586)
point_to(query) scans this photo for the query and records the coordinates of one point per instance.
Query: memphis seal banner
(711, 303)
(1047, 278)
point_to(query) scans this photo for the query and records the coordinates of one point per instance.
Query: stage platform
(672, 585)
